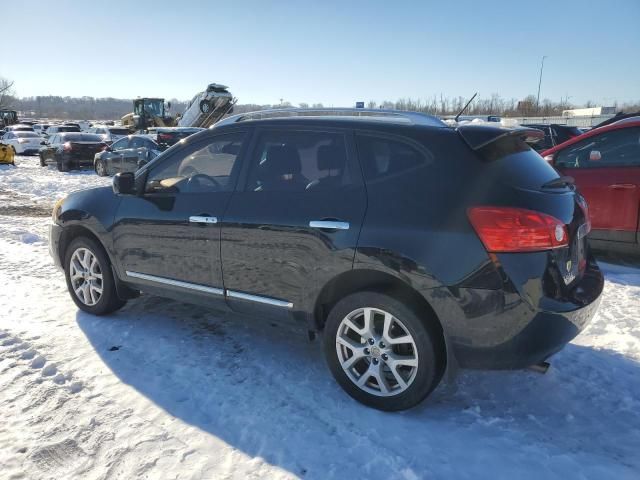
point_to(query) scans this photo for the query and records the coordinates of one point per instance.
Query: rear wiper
(564, 181)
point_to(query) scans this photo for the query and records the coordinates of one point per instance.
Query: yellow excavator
(148, 112)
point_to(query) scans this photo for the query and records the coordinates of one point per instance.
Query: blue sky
(334, 52)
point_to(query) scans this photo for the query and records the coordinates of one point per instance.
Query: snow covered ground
(166, 390)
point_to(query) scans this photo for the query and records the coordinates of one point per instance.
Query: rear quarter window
(383, 157)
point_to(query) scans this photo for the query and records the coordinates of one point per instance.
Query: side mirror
(124, 183)
(43, 143)
(595, 156)
(168, 105)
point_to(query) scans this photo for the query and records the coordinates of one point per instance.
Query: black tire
(109, 301)
(205, 106)
(101, 168)
(430, 363)
(62, 166)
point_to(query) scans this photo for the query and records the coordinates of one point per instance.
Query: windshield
(81, 137)
(154, 107)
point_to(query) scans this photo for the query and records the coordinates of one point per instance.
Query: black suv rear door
(293, 224)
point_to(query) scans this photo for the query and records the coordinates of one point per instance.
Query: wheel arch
(74, 231)
(374, 280)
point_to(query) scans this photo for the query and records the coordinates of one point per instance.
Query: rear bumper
(82, 160)
(511, 328)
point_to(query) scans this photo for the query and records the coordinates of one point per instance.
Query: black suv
(413, 247)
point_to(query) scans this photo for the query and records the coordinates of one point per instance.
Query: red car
(605, 163)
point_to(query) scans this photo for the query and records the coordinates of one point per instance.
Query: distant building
(588, 112)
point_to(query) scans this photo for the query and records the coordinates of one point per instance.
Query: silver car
(216, 98)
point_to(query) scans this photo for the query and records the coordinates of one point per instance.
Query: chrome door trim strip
(329, 224)
(176, 283)
(259, 299)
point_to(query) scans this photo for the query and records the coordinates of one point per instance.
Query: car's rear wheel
(89, 277)
(101, 168)
(62, 166)
(381, 352)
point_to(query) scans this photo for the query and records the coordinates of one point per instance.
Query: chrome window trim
(259, 299)
(175, 283)
(329, 224)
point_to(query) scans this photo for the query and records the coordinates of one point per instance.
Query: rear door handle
(203, 219)
(622, 186)
(329, 224)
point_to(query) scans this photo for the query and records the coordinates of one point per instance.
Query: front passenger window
(208, 167)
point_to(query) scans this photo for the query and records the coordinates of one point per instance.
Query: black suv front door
(294, 222)
(168, 238)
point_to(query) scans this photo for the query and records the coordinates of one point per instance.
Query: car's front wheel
(89, 277)
(42, 161)
(381, 352)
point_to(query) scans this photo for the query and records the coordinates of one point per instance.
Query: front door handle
(329, 224)
(202, 219)
(622, 186)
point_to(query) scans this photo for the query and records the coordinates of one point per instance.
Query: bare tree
(6, 93)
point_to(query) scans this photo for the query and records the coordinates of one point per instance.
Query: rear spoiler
(479, 136)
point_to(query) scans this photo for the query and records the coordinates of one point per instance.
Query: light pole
(540, 82)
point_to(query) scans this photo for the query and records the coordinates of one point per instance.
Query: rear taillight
(506, 229)
(67, 147)
(548, 158)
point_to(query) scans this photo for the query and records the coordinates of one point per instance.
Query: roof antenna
(465, 107)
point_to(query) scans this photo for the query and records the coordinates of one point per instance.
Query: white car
(40, 128)
(215, 98)
(23, 143)
(109, 134)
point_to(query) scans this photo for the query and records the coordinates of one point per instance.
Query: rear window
(119, 131)
(81, 137)
(26, 134)
(565, 133)
(520, 165)
(68, 128)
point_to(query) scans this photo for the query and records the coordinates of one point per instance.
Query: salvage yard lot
(167, 390)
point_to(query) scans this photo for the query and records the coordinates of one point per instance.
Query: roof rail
(414, 118)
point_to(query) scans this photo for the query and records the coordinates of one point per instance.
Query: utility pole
(540, 83)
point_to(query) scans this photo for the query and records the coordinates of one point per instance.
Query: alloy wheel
(86, 276)
(377, 352)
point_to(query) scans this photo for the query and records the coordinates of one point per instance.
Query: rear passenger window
(383, 157)
(296, 161)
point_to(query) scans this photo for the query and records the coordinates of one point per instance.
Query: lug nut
(375, 361)
(382, 345)
(371, 341)
(385, 357)
(367, 351)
